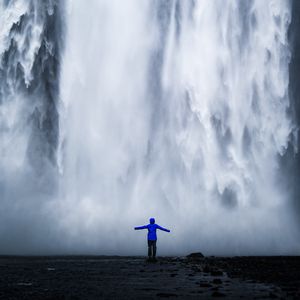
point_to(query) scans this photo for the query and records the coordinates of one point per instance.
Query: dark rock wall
(41, 88)
(293, 162)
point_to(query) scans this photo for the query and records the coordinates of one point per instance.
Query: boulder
(195, 255)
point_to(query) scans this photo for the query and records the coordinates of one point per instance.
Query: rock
(176, 259)
(217, 281)
(206, 269)
(218, 294)
(166, 295)
(195, 255)
(205, 284)
(272, 295)
(216, 273)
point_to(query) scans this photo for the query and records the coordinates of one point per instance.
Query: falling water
(167, 108)
(29, 67)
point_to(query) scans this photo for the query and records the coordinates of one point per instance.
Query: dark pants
(151, 248)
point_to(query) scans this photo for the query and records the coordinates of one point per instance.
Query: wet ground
(134, 278)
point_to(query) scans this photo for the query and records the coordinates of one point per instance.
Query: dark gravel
(195, 277)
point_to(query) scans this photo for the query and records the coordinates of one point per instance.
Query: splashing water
(172, 109)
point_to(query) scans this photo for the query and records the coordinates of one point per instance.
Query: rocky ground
(192, 277)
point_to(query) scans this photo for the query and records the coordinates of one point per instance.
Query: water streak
(177, 109)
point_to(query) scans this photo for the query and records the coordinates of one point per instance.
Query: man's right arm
(140, 227)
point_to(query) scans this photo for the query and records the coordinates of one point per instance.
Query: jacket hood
(152, 220)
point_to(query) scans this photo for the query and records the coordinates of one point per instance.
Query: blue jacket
(152, 229)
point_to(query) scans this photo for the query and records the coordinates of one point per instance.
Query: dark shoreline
(132, 277)
(104, 256)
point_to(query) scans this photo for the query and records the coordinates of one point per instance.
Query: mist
(113, 112)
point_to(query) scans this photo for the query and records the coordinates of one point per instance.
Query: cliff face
(294, 91)
(31, 45)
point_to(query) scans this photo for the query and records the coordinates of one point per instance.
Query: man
(152, 238)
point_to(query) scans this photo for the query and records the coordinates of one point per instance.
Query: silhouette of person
(152, 238)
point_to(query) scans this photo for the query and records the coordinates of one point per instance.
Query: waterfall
(178, 110)
(30, 46)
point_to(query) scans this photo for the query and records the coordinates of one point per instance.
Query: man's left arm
(163, 229)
